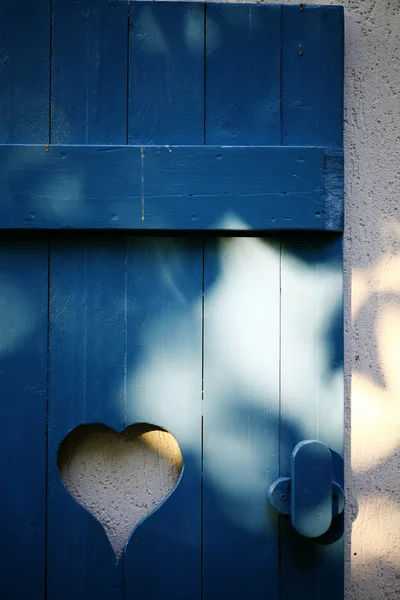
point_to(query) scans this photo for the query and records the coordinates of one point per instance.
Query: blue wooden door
(171, 197)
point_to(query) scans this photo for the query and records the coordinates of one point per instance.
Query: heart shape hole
(120, 478)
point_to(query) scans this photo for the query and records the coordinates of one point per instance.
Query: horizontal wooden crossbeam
(171, 188)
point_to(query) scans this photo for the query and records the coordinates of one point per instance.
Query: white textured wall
(372, 261)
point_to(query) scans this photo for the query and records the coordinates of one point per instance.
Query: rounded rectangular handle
(311, 488)
(310, 496)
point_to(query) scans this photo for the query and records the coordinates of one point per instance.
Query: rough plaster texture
(372, 302)
(119, 478)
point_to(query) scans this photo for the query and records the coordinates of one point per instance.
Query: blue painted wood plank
(24, 71)
(331, 419)
(89, 72)
(311, 396)
(241, 417)
(243, 74)
(23, 406)
(86, 385)
(312, 75)
(164, 387)
(174, 188)
(166, 73)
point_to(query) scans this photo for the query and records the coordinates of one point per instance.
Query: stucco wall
(372, 311)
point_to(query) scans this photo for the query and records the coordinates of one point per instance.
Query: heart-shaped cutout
(119, 478)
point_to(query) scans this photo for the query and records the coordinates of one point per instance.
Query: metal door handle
(309, 496)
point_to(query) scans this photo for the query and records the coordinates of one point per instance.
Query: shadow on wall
(364, 577)
(373, 233)
(243, 400)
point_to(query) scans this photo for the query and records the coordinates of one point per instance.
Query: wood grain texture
(166, 106)
(166, 73)
(312, 75)
(170, 188)
(164, 387)
(24, 71)
(311, 397)
(241, 417)
(89, 72)
(23, 407)
(243, 74)
(86, 385)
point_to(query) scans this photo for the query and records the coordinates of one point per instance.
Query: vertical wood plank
(312, 75)
(23, 407)
(89, 72)
(331, 416)
(241, 417)
(311, 396)
(243, 74)
(87, 385)
(164, 356)
(24, 71)
(164, 386)
(166, 73)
